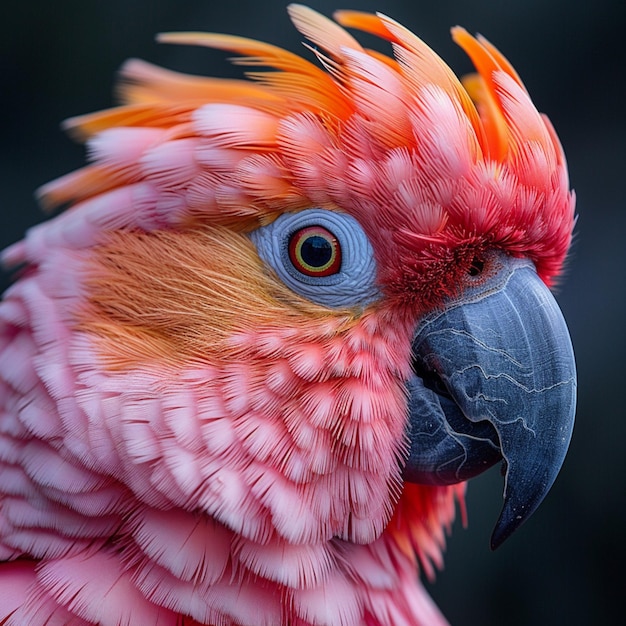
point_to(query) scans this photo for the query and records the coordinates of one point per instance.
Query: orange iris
(315, 251)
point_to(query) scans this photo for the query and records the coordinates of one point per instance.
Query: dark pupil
(316, 251)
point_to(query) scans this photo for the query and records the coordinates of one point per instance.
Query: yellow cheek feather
(183, 295)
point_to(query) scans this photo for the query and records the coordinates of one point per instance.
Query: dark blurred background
(565, 565)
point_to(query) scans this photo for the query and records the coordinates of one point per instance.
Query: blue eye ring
(341, 274)
(315, 251)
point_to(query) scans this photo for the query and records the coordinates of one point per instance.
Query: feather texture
(184, 439)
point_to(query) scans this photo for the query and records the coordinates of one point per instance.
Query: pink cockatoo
(244, 376)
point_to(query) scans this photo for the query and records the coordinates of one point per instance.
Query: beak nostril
(477, 266)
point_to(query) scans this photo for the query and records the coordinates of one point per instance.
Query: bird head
(304, 290)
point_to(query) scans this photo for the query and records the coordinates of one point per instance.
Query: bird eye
(315, 251)
(322, 255)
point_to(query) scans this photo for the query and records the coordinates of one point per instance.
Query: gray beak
(494, 378)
